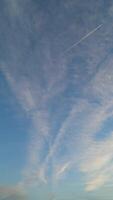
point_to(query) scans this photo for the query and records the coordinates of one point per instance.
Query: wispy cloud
(96, 182)
(34, 99)
(98, 156)
(61, 170)
(76, 134)
(42, 81)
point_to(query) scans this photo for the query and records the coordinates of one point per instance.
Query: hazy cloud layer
(14, 193)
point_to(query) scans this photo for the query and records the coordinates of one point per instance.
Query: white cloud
(34, 99)
(21, 89)
(96, 158)
(96, 182)
(61, 170)
(97, 163)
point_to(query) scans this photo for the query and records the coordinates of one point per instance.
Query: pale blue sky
(56, 99)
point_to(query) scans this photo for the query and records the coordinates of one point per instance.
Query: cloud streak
(83, 38)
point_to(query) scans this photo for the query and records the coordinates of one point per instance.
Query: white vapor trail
(83, 38)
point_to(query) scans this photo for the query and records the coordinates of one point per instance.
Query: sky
(56, 100)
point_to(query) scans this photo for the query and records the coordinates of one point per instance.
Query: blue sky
(56, 99)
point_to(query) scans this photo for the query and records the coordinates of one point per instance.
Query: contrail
(83, 38)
